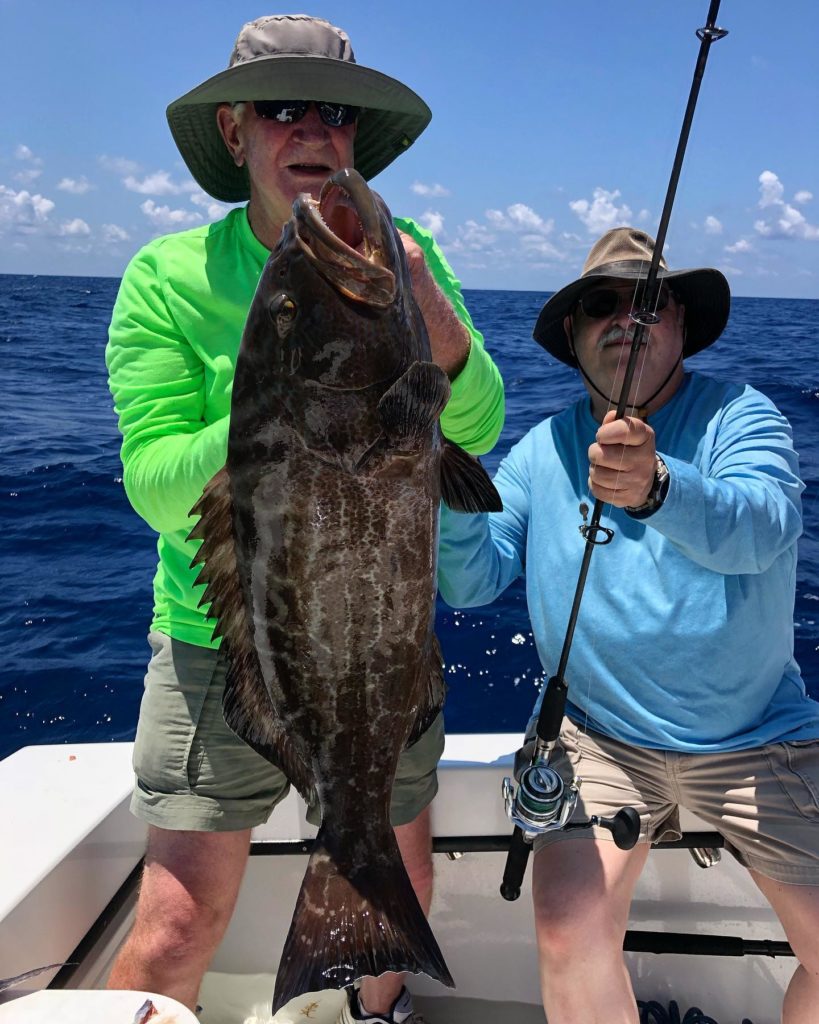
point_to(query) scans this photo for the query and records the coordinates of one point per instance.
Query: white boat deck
(71, 842)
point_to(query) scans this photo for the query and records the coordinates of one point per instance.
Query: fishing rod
(541, 802)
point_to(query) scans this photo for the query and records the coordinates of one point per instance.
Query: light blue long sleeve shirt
(684, 639)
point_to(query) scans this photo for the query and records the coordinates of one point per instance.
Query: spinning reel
(542, 802)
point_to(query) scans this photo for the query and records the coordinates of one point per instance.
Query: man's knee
(576, 907)
(567, 925)
(188, 892)
(186, 933)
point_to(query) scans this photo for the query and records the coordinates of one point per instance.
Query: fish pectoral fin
(246, 701)
(465, 484)
(411, 407)
(433, 694)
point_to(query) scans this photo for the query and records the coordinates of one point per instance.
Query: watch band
(657, 494)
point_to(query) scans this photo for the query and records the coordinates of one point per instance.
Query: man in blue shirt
(682, 680)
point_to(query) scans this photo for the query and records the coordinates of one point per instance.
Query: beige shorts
(763, 801)
(193, 773)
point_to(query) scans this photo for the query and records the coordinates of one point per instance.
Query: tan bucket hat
(625, 254)
(294, 57)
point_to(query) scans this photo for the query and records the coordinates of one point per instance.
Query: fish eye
(281, 308)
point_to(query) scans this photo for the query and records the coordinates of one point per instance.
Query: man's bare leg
(415, 844)
(582, 892)
(189, 889)
(797, 907)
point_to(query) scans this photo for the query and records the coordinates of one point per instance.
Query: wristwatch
(657, 494)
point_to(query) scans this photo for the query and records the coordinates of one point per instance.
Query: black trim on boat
(97, 930)
(474, 844)
(703, 945)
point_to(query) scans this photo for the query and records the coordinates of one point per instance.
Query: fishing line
(541, 802)
(612, 404)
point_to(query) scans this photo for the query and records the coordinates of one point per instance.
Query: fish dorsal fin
(465, 484)
(411, 407)
(248, 709)
(433, 693)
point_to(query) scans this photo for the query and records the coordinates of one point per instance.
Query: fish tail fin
(348, 925)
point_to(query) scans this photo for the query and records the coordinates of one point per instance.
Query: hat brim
(703, 291)
(392, 117)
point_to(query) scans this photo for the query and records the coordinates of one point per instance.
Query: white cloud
(712, 226)
(214, 210)
(472, 237)
(158, 184)
(113, 233)
(165, 217)
(74, 227)
(29, 175)
(803, 196)
(781, 220)
(433, 191)
(23, 212)
(540, 246)
(119, 164)
(602, 212)
(76, 186)
(742, 245)
(519, 217)
(24, 153)
(432, 221)
(770, 189)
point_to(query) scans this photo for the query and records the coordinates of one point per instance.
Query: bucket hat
(625, 254)
(294, 57)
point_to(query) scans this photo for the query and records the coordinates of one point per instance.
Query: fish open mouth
(341, 233)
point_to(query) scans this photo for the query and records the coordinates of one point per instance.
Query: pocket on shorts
(796, 767)
(176, 685)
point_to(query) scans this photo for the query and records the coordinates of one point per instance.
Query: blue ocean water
(77, 562)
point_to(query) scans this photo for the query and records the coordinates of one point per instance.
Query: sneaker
(400, 1012)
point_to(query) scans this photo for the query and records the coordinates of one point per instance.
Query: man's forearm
(448, 338)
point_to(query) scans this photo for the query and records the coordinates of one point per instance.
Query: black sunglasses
(334, 115)
(604, 302)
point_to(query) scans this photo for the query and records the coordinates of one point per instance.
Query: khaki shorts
(193, 773)
(764, 801)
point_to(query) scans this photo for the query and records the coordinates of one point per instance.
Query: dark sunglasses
(604, 302)
(334, 115)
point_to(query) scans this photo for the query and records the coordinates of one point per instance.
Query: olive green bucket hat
(625, 254)
(294, 57)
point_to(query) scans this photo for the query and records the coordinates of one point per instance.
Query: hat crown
(280, 35)
(621, 245)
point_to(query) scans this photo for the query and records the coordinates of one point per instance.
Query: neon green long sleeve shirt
(171, 355)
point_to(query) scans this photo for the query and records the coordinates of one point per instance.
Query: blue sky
(552, 121)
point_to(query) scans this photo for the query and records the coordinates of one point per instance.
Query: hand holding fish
(623, 461)
(448, 338)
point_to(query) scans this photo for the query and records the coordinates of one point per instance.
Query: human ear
(229, 130)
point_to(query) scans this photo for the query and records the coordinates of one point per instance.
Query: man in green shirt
(173, 342)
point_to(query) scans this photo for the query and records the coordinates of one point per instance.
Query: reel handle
(515, 869)
(624, 827)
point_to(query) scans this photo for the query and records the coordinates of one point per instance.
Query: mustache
(616, 335)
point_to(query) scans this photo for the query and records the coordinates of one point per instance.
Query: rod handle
(515, 868)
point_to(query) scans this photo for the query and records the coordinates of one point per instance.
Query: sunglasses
(605, 302)
(334, 115)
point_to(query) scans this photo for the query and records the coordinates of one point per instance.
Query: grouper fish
(319, 542)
